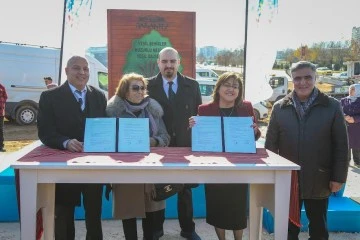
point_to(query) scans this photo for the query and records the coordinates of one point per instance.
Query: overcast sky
(219, 23)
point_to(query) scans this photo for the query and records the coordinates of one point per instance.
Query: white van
(206, 74)
(207, 88)
(22, 72)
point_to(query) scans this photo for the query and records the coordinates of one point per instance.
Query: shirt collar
(73, 89)
(165, 81)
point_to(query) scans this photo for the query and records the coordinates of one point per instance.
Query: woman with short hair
(135, 200)
(226, 203)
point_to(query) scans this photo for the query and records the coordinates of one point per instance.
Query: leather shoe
(190, 235)
(159, 233)
(156, 235)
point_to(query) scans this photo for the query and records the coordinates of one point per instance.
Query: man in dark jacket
(61, 124)
(308, 128)
(180, 97)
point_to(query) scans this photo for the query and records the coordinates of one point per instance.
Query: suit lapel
(215, 109)
(162, 97)
(90, 100)
(70, 98)
(181, 91)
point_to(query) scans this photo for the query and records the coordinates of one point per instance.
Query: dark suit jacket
(60, 118)
(187, 100)
(244, 110)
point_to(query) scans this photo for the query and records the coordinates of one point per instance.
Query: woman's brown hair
(224, 78)
(124, 83)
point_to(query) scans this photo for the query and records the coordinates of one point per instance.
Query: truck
(351, 76)
(281, 83)
(22, 71)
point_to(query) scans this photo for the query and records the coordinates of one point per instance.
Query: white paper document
(100, 135)
(239, 135)
(134, 135)
(206, 134)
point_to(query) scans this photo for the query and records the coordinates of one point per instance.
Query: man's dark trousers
(184, 204)
(316, 212)
(64, 220)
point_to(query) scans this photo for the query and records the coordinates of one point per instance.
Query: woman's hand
(256, 128)
(349, 119)
(153, 142)
(192, 121)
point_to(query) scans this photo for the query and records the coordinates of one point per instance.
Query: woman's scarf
(302, 108)
(142, 106)
(356, 92)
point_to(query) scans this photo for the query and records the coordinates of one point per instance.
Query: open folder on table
(117, 135)
(237, 133)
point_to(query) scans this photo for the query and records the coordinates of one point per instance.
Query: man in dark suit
(61, 123)
(180, 97)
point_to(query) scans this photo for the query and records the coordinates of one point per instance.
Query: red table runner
(169, 155)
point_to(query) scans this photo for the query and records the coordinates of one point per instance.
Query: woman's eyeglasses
(228, 85)
(137, 88)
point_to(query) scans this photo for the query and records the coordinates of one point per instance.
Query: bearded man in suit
(179, 97)
(61, 124)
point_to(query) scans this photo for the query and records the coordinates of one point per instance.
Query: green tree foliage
(200, 58)
(328, 54)
(142, 57)
(354, 51)
(230, 57)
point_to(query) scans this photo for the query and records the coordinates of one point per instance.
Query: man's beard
(170, 73)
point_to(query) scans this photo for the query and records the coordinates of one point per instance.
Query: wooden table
(40, 168)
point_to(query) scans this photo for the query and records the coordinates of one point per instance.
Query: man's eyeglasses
(137, 88)
(228, 85)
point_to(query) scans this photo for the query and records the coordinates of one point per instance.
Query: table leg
(46, 200)
(282, 200)
(28, 193)
(261, 195)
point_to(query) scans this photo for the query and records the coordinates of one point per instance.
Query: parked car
(260, 110)
(207, 88)
(324, 71)
(343, 75)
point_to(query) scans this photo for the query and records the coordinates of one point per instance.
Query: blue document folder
(206, 134)
(100, 135)
(133, 135)
(239, 135)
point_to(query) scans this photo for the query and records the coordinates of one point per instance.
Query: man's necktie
(80, 100)
(171, 93)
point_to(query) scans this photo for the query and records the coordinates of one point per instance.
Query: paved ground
(113, 231)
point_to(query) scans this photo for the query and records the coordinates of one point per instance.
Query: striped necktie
(80, 99)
